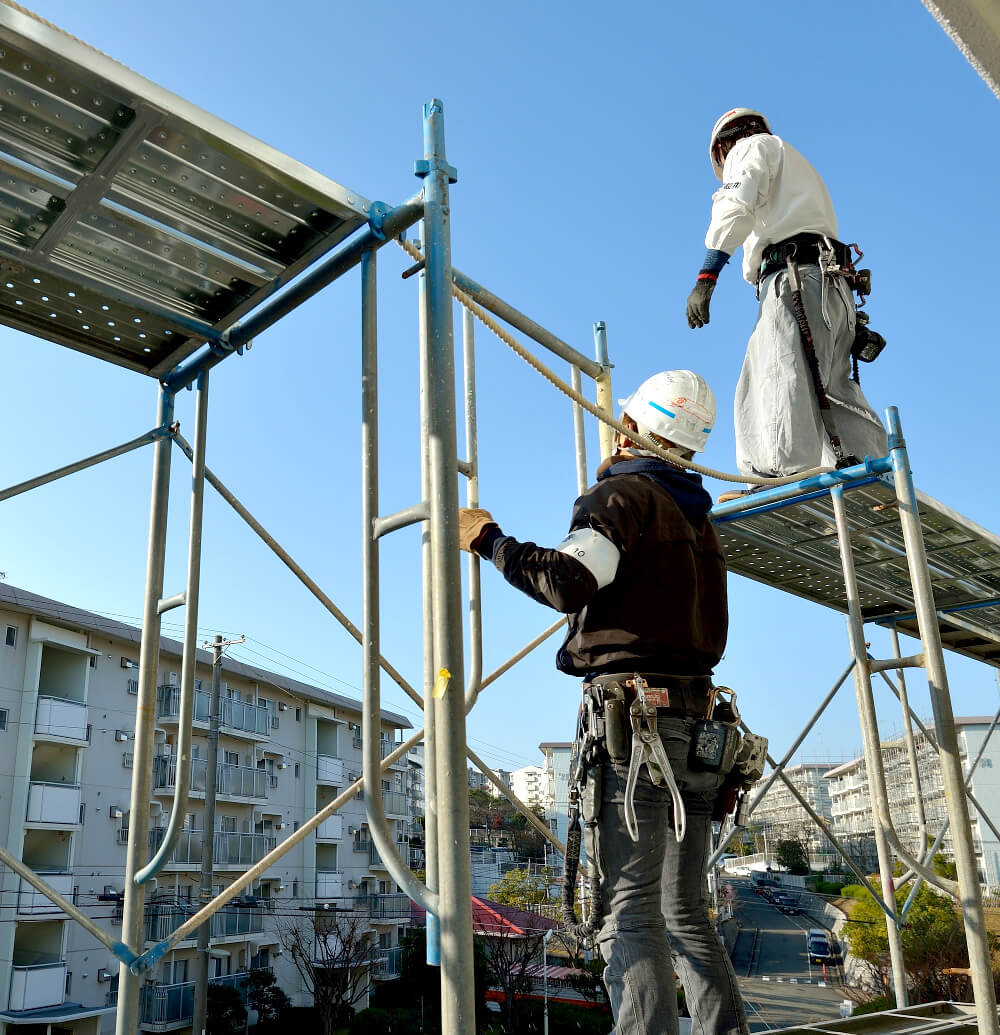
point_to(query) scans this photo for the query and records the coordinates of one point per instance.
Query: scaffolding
(144, 232)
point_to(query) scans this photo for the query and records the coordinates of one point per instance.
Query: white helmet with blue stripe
(677, 405)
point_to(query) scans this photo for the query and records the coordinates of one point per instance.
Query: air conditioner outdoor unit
(282, 707)
(352, 884)
(127, 663)
(115, 812)
(282, 765)
(103, 975)
(279, 826)
(352, 830)
(121, 736)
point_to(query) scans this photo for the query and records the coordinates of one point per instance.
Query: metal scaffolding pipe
(947, 738)
(372, 708)
(81, 465)
(474, 682)
(911, 749)
(522, 653)
(579, 434)
(605, 400)
(185, 717)
(457, 985)
(127, 1020)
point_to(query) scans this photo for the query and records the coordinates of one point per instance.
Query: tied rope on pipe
(671, 458)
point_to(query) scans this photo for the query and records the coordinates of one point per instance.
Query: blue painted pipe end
(433, 941)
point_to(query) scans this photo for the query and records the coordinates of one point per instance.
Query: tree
(267, 999)
(943, 866)
(225, 1013)
(511, 960)
(523, 889)
(333, 952)
(791, 854)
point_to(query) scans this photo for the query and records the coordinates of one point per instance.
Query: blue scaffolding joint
(125, 954)
(376, 218)
(424, 167)
(144, 964)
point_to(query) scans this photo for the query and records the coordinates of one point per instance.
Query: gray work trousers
(779, 430)
(655, 901)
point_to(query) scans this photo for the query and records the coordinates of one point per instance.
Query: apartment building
(781, 816)
(68, 685)
(530, 784)
(851, 798)
(556, 755)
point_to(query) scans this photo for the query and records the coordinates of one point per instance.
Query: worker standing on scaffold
(796, 404)
(643, 579)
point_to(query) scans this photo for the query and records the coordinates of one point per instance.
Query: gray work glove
(697, 307)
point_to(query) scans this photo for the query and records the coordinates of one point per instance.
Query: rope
(671, 458)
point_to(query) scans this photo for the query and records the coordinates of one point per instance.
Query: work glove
(472, 522)
(697, 306)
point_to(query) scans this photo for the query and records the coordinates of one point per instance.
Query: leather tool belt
(804, 249)
(669, 694)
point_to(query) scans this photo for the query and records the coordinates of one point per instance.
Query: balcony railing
(34, 987)
(229, 849)
(388, 963)
(32, 902)
(58, 717)
(361, 845)
(164, 1006)
(53, 803)
(237, 781)
(229, 922)
(395, 803)
(384, 907)
(329, 883)
(234, 715)
(329, 769)
(374, 859)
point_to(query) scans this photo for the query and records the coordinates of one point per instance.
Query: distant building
(503, 775)
(782, 817)
(477, 780)
(851, 798)
(556, 766)
(530, 784)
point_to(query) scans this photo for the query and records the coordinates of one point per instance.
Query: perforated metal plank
(794, 548)
(134, 225)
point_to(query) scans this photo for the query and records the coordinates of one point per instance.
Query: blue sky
(580, 134)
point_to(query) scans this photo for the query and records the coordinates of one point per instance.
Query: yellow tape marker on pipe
(441, 684)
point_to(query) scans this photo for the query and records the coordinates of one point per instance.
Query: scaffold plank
(941, 1018)
(133, 225)
(792, 546)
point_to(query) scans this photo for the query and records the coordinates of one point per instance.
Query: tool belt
(669, 694)
(804, 249)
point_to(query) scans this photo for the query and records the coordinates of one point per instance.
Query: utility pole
(208, 836)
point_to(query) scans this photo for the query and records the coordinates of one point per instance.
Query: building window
(133, 686)
(295, 889)
(11, 638)
(3, 719)
(298, 770)
(93, 661)
(298, 714)
(295, 825)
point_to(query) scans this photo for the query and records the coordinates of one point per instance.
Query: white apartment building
(851, 799)
(781, 815)
(531, 785)
(556, 756)
(67, 715)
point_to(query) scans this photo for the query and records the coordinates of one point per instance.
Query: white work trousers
(779, 430)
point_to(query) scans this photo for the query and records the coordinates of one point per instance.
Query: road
(780, 986)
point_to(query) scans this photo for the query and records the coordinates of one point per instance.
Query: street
(780, 986)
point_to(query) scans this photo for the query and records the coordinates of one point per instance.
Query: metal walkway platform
(791, 544)
(928, 1019)
(133, 225)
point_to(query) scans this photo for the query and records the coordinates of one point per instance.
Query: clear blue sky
(580, 134)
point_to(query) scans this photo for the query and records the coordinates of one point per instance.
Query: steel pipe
(911, 749)
(605, 400)
(579, 434)
(414, 515)
(127, 1019)
(474, 683)
(81, 465)
(189, 653)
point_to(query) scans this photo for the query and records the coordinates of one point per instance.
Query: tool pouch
(713, 746)
(748, 768)
(868, 344)
(617, 728)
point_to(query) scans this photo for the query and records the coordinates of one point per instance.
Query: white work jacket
(769, 192)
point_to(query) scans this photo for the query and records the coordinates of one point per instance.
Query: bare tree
(333, 952)
(511, 960)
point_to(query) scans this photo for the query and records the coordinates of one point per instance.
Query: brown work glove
(472, 522)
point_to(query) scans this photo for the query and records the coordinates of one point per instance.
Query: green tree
(267, 999)
(790, 853)
(225, 1013)
(523, 889)
(943, 866)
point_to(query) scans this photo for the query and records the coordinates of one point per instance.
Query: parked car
(788, 905)
(818, 946)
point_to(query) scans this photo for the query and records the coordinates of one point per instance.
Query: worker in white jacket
(773, 202)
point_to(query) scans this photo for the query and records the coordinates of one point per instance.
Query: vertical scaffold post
(870, 740)
(606, 434)
(944, 729)
(455, 889)
(127, 1021)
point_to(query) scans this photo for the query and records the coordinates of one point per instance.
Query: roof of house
(75, 618)
(494, 918)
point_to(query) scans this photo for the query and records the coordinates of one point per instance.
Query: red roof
(494, 918)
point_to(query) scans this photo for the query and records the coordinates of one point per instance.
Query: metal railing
(231, 922)
(163, 1005)
(388, 963)
(384, 907)
(395, 803)
(374, 859)
(235, 715)
(236, 780)
(229, 849)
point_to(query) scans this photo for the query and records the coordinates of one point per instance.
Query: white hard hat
(677, 405)
(730, 117)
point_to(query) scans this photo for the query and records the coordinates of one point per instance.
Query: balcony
(331, 829)
(229, 849)
(57, 717)
(329, 883)
(32, 988)
(384, 907)
(387, 963)
(236, 716)
(329, 769)
(395, 804)
(165, 1007)
(235, 781)
(230, 922)
(33, 903)
(361, 845)
(374, 859)
(54, 803)
(387, 747)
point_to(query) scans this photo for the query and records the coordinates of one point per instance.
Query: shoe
(736, 494)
